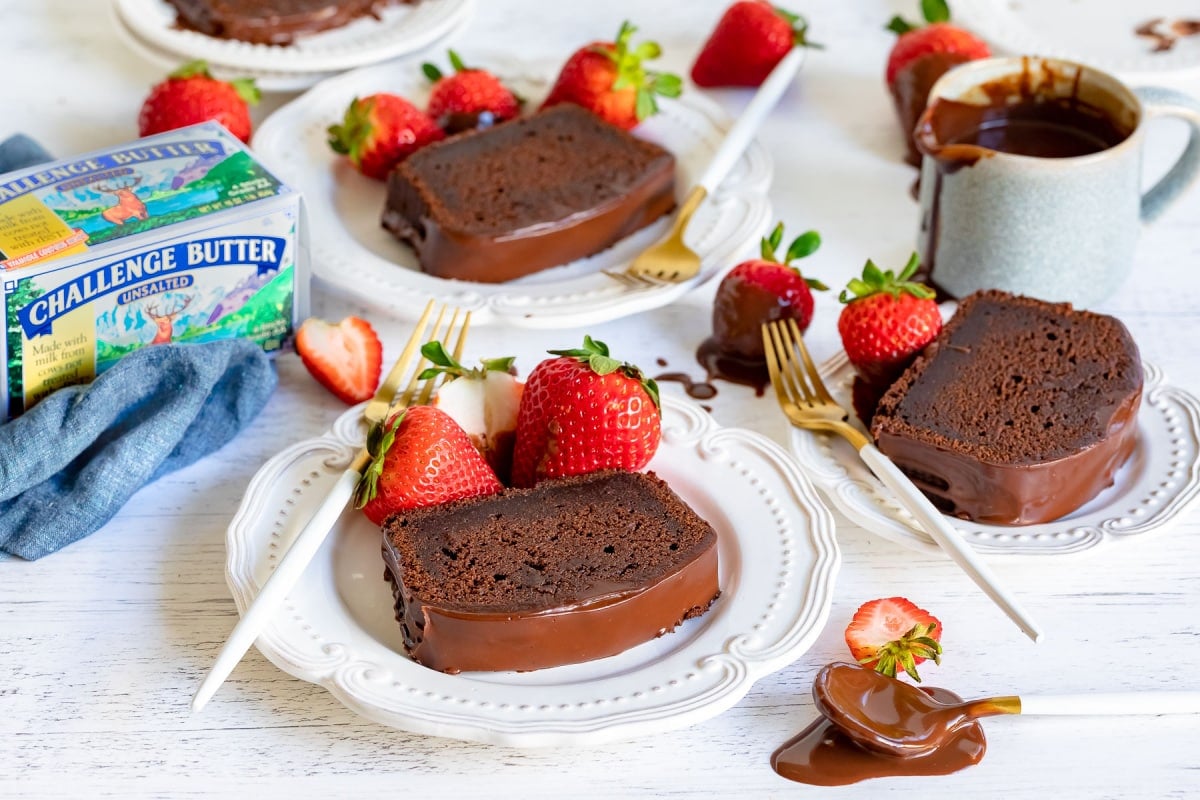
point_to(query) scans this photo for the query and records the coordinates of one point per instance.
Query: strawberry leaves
(380, 439)
(632, 73)
(918, 642)
(445, 364)
(595, 354)
(799, 28)
(802, 246)
(246, 88)
(877, 281)
(932, 10)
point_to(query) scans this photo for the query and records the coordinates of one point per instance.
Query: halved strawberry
(892, 634)
(345, 358)
(421, 458)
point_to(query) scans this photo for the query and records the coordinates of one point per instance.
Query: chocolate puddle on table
(825, 755)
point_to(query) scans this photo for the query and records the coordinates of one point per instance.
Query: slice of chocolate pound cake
(570, 570)
(504, 202)
(276, 22)
(1019, 412)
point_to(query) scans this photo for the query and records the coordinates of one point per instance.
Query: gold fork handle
(934, 523)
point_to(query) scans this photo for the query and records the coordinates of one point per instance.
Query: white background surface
(101, 644)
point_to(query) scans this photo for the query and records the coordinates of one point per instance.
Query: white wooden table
(102, 644)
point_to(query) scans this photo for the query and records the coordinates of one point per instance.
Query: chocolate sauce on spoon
(830, 751)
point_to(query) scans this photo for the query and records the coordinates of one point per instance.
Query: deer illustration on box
(165, 322)
(129, 205)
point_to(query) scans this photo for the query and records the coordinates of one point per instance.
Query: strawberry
(892, 634)
(190, 95)
(751, 37)
(608, 79)
(887, 320)
(345, 358)
(469, 91)
(421, 457)
(939, 36)
(484, 400)
(773, 289)
(380, 131)
(585, 411)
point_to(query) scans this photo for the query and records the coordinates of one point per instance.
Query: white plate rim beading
(292, 142)
(400, 29)
(776, 598)
(1168, 479)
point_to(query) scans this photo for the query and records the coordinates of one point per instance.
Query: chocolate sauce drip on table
(697, 390)
(720, 365)
(825, 755)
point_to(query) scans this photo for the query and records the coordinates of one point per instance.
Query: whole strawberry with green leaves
(888, 319)
(610, 79)
(421, 457)
(380, 131)
(191, 95)
(468, 91)
(763, 290)
(749, 40)
(585, 411)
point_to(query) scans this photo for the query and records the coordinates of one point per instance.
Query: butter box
(179, 237)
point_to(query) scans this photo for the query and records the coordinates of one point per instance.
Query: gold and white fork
(400, 389)
(670, 260)
(807, 404)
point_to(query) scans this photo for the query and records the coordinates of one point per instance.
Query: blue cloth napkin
(19, 151)
(71, 462)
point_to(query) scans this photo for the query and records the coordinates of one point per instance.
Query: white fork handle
(278, 584)
(749, 121)
(1111, 704)
(935, 524)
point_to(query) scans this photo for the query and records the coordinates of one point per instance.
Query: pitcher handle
(1161, 102)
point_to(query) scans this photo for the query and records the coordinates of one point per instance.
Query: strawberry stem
(877, 281)
(632, 73)
(933, 11)
(595, 355)
(903, 652)
(379, 441)
(802, 246)
(445, 364)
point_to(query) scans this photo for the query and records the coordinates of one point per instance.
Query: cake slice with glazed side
(1019, 412)
(545, 190)
(571, 570)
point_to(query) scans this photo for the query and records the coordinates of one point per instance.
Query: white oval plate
(1149, 491)
(778, 560)
(168, 61)
(1102, 34)
(400, 29)
(352, 253)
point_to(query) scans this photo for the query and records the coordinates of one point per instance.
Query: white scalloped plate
(1102, 34)
(352, 253)
(400, 29)
(1149, 491)
(166, 60)
(778, 560)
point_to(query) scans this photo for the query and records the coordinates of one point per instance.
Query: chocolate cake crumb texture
(1015, 380)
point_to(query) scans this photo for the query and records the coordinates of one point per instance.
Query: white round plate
(778, 560)
(1100, 34)
(400, 29)
(351, 252)
(168, 61)
(1149, 491)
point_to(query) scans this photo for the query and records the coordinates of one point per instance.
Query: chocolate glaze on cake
(271, 21)
(1019, 412)
(571, 570)
(532, 193)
